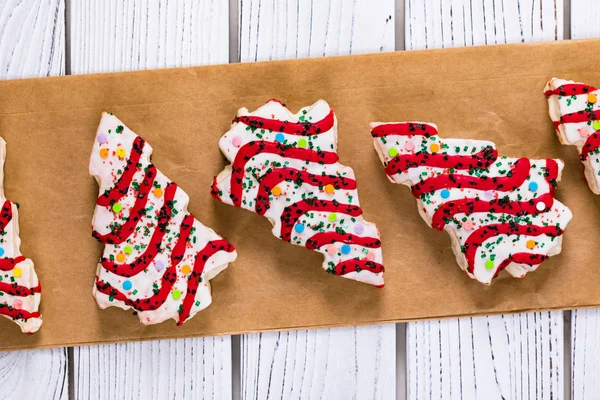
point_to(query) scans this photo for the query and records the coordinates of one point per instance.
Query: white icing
(107, 171)
(500, 246)
(292, 192)
(569, 133)
(10, 242)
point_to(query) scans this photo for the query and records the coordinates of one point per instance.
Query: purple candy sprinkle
(489, 194)
(159, 265)
(102, 138)
(359, 229)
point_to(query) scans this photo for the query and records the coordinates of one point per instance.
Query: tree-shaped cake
(158, 259)
(20, 289)
(500, 212)
(285, 167)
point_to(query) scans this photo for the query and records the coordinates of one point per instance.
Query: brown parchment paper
(492, 92)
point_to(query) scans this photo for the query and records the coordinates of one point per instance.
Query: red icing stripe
(469, 206)
(252, 149)
(476, 239)
(481, 159)
(7, 264)
(404, 129)
(16, 290)
(168, 280)
(353, 265)
(521, 258)
(214, 190)
(136, 213)
(278, 175)
(184, 232)
(17, 314)
(570, 89)
(293, 212)
(320, 239)
(211, 248)
(122, 186)
(591, 144)
(142, 262)
(5, 215)
(305, 128)
(580, 116)
(512, 180)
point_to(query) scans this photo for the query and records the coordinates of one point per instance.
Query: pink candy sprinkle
(331, 249)
(236, 141)
(409, 146)
(583, 132)
(18, 304)
(370, 256)
(468, 225)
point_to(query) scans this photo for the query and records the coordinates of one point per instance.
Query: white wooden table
(543, 355)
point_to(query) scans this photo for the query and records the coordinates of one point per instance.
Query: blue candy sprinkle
(127, 285)
(533, 186)
(445, 194)
(279, 137)
(346, 249)
(299, 228)
(1, 251)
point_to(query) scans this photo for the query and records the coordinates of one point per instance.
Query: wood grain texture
(32, 44)
(346, 363)
(585, 324)
(327, 363)
(197, 368)
(516, 356)
(128, 35)
(284, 29)
(32, 38)
(455, 23)
(124, 35)
(512, 356)
(585, 19)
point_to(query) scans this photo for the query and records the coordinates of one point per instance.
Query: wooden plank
(454, 23)
(32, 38)
(511, 356)
(115, 35)
(32, 43)
(342, 363)
(284, 29)
(121, 35)
(196, 368)
(585, 324)
(517, 356)
(327, 363)
(585, 19)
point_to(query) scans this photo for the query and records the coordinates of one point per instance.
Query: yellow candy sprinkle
(329, 189)
(186, 269)
(276, 191)
(103, 153)
(121, 152)
(434, 148)
(17, 272)
(530, 244)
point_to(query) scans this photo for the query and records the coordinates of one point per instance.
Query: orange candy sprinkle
(276, 191)
(103, 153)
(120, 257)
(186, 269)
(530, 244)
(434, 148)
(592, 98)
(157, 192)
(329, 189)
